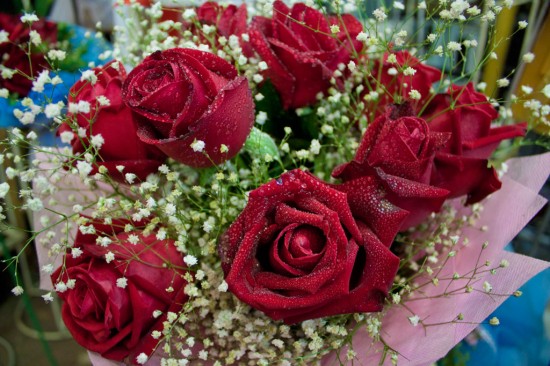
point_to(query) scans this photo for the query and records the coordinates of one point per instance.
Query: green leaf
(42, 7)
(260, 143)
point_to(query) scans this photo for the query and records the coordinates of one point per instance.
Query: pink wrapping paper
(505, 213)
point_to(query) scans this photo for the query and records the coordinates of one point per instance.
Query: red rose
(461, 166)
(13, 53)
(296, 252)
(396, 86)
(114, 122)
(399, 149)
(183, 95)
(106, 317)
(300, 52)
(228, 20)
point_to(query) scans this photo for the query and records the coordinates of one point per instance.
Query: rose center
(306, 241)
(414, 137)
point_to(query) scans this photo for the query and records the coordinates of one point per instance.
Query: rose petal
(228, 121)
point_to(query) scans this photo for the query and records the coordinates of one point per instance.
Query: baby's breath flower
(89, 75)
(494, 321)
(57, 55)
(142, 358)
(502, 83)
(398, 5)
(528, 57)
(76, 252)
(223, 287)
(315, 147)
(362, 37)
(34, 204)
(504, 263)
(409, 71)
(414, 320)
(522, 24)
(302, 154)
(35, 38)
(47, 268)
(48, 297)
(262, 65)
(97, 141)
(189, 13)
(29, 18)
(197, 145)
(414, 94)
(60, 287)
(122, 282)
(53, 110)
(130, 177)
(261, 118)
(109, 257)
(103, 101)
(242, 60)
(334, 29)
(17, 290)
(380, 14)
(190, 260)
(454, 46)
(526, 89)
(4, 189)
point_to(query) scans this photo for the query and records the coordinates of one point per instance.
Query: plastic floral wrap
(280, 184)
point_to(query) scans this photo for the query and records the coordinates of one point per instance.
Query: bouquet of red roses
(276, 184)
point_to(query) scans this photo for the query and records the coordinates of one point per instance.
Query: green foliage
(260, 143)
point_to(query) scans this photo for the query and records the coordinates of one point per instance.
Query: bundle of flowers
(281, 184)
(40, 61)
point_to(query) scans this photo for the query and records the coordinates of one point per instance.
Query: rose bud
(300, 53)
(99, 110)
(110, 308)
(183, 95)
(398, 149)
(296, 252)
(462, 165)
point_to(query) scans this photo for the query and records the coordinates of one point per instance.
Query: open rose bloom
(279, 184)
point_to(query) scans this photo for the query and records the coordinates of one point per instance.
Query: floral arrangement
(281, 184)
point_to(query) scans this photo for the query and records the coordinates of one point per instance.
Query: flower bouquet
(41, 60)
(282, 184)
